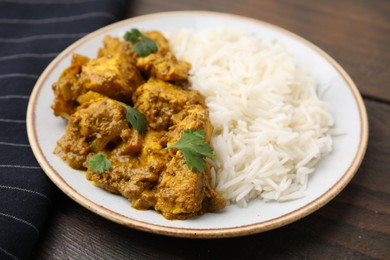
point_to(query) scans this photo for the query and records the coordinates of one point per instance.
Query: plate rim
(194, 232)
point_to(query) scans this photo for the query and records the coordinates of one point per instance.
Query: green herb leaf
(145, 47)
(136, 119)
(194, 148)
(99, 163)
(132, 35)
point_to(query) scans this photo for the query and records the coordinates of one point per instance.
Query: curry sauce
(92, 95)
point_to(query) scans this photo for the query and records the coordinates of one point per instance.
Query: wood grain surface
(355, 225)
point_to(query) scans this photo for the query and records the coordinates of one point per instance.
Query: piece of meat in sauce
(111, 75)
(181, 193)
(67, 88)
(90, 129)
(135, 177)
(159, 101)
(163, 64)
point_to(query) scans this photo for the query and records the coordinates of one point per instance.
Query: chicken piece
(113, 76)
(165, 67)
(155, 160)
(159, 101)
(102, 122)
(182, 194)
(191, 117)
(90, 129)
(163, 64)
(113, 45)
(67, 89)
(152, 154)
(135, 177)
(72, 147)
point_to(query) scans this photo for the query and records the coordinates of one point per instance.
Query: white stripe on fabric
(14, 96)
(5, 120)
(21, 220)
(8, 253)
(25, 190)
(13, 144)
(19, 166)
(28, 55)
(58, 19)
(42, 37)
(18, 75)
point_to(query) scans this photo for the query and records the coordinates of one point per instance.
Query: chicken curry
(96, 95)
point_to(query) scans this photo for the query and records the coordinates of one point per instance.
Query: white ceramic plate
(332, 175)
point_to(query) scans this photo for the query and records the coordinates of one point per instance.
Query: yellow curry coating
(163, 63)
(93, 95)
(67, 89)
(90, 129)
(159, 101)
(113, 76)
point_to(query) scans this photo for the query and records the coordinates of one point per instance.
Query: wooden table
(355, 225)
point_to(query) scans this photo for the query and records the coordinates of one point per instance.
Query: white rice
(270, 128)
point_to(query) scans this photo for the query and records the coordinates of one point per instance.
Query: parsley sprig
(136, 119)
(143, 45)
(194, 147)
(99, 163)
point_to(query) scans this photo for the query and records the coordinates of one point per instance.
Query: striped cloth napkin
(32, 33)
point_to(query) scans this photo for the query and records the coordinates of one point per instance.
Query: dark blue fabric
(32, 33)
